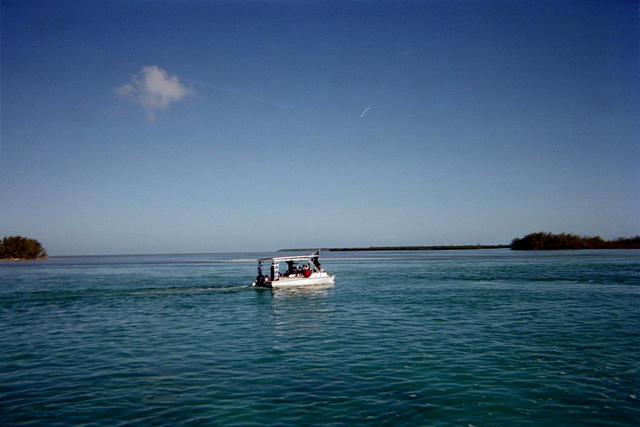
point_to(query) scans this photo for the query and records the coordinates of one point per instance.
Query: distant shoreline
(399, 248)
(531, 242)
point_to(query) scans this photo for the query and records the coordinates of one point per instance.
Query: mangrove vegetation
(18, 247)
(551, 241)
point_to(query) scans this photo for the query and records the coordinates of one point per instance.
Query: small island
(551, 241)
(21, 248)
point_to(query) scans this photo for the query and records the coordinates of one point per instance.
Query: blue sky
(197, 126)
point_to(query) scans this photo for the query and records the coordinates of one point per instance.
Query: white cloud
(154, 89)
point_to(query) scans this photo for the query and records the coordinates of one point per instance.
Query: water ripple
(469, 340)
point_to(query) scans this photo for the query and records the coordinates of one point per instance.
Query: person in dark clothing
(316, 260)
(291, 270)
(260, 278)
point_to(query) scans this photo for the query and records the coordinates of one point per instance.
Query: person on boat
(260, 278)
(316, 261)
(306, 270)
(291, 269)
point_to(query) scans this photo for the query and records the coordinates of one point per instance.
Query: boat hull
(285, 282)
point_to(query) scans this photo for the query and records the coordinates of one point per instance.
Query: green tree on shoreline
(18, 247)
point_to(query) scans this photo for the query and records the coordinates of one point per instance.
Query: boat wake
(189, 290)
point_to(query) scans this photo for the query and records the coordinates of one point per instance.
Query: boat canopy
(290, 258)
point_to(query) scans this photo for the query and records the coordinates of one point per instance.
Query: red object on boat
(307, 273)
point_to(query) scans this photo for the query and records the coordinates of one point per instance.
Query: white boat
(302, 270)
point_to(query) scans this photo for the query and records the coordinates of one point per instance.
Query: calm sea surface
(485, 337)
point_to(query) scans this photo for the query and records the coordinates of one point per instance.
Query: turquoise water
(489, 337)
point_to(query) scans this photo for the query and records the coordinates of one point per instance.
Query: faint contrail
(364, 111)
